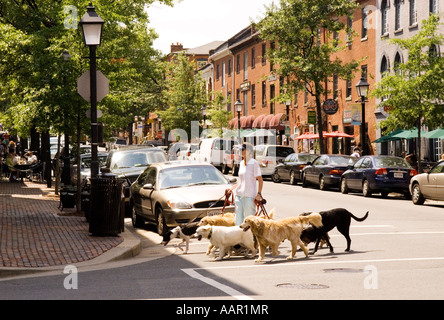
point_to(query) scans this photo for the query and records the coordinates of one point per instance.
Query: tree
(414, 93)
(218, 115)
(184, 94)
(38, 90)
(301, 57)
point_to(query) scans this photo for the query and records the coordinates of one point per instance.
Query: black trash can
(67, 197)
(106, 217)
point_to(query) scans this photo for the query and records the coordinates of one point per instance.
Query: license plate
(399, 175)
(214, 212)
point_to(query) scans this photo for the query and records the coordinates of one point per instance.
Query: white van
(268, 157)
(213, 150)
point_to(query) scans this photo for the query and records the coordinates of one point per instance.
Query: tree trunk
(319, 121)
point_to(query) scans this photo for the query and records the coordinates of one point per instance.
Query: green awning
(435, 134)
(389, 137)
(408, 134)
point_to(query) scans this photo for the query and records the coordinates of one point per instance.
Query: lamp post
(362, 87)
(91, 25)
(238, 107)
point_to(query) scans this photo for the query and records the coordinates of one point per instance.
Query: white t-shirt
(247, 179)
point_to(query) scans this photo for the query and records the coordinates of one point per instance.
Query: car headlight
(179, 205)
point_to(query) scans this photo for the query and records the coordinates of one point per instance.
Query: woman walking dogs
(247, 190)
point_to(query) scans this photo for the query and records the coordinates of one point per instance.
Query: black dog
(339, 218)
(184, 232)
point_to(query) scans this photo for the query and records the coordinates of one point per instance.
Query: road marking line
(292, 264)
(228, 290)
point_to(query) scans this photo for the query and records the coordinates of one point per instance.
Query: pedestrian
(356, 153)
(247, 189)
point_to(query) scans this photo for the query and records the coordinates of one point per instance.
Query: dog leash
(260, 208)
(227, 194)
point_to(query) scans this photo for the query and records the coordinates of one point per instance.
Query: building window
(384, 67)
(253, 95)
(272, 94)
(238, 64)
(397, 62)
(335, 86)
(413, 13)
(245, 103)
(349, 35)
(264, 51)
(364, 71)
(348, 89)
(364, 20)
(434, 9)
(217, 72)
(229, 67)
(384, 17)
(272, 47)
(229, 101)
(253, 58)
(245, 65)
(264, 93)
(398, 14)
(223, 74)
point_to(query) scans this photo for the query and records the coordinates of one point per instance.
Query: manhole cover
(301, 286)
(346, 270)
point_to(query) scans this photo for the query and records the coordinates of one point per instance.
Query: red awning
(265, 124)
(236, 121)
(307, 135)
(275, 122)
(232, 122)
(247, 122)
(337, 134)
(257, 122)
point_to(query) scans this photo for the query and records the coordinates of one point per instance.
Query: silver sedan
(428, 185)
(178, 192)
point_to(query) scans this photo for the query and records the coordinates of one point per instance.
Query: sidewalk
(35, 235)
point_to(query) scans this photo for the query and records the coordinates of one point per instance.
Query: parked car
(232, 160)
(213, 150)
(269, 155)
(173, 193)
(428, 185)
(115, 143)
(174, 149)
(85, 165)
(291, 167)
(378, 174)
(129, 163)
(326, 170)
(188, 152)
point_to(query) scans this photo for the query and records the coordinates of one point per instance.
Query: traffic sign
(83, 86)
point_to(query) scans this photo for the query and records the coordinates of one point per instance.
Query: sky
(194, 23)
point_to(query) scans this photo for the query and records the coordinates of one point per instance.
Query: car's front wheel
(292, 177)
(275, 177)
(417, 196)
(161, 224)
(366, 191)
(344, 188)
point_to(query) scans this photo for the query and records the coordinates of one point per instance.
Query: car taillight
(381, 171)
(302, 166)
(265, 162)
(413, 173)
(188, 154)
(336, 171)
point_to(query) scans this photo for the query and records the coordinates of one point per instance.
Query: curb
(130, 247)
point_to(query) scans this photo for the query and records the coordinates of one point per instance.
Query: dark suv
(129, 162)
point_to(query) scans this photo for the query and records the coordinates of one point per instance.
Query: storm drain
(345, 270)
(301, 286)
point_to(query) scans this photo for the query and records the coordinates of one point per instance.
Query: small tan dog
(272, 232)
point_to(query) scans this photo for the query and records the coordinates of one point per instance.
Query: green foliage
(38, 88)
(184, 94)
(414, 93)
(218, 115)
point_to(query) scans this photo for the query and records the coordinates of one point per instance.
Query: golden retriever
(272, 232)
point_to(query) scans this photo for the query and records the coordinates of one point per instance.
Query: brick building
(242, 72)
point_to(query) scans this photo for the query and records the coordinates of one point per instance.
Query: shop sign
(245, 86)
(311, 117)
(330, 106)
(347, 117)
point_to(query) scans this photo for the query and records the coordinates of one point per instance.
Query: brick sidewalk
(35, 233)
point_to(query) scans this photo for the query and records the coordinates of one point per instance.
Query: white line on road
(228, 290)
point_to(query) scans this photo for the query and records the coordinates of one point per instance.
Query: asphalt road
(395, 254)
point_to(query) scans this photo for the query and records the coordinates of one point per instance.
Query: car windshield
(306, 157)
(86, 161)
(391, 162)
(190, 176)
(137, 159)
(279, 151)
(342, 161)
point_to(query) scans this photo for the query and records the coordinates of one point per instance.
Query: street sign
(83, 86)
(311, 117)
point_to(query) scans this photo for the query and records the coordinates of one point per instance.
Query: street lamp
(362, 88)
(91, 25)
(238, 107)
